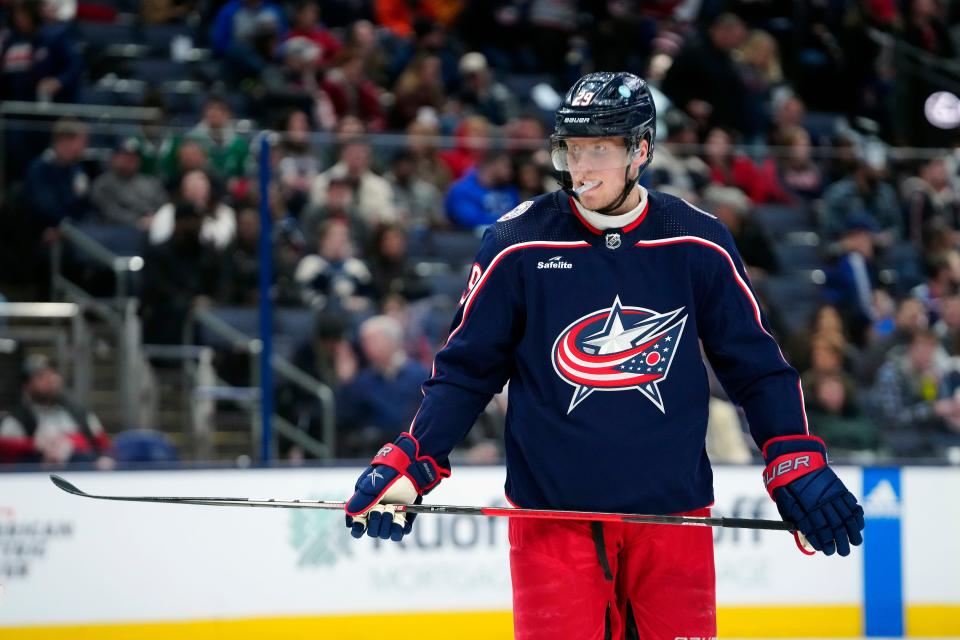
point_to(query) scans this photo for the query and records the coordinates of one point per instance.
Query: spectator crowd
(402, 129)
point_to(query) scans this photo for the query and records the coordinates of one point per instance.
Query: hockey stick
(740, 523)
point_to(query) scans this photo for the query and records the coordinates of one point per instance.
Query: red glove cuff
(390, 455)
(422, 470)
(790, 466)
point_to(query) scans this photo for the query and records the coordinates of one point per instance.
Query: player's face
(600, 161)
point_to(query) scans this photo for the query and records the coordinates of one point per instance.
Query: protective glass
(582, 154)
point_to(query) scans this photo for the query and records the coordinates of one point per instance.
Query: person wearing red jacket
(731, 168)
(472, 142)
(352, 92)
(306, 24)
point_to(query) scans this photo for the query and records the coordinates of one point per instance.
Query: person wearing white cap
(481, 93)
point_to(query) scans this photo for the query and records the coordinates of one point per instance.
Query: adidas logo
(882, 501)
(556, 262)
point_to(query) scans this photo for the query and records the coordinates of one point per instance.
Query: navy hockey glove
(809, 494)
(398, 474)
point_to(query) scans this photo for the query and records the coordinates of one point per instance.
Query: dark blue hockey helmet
(606, 105)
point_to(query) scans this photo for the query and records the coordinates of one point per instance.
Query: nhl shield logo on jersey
(618, 349)
(613, 240)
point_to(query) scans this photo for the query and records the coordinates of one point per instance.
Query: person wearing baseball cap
(853, 277)
(123, 194)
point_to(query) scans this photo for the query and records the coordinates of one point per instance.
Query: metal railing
(195, 363)
(123, 267)
(77, 110)
(24, 116)
(69, 345)
(119, 312)
(946, 69)
(286, 371)
(124, 121)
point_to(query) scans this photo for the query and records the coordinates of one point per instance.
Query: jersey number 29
(475, 274)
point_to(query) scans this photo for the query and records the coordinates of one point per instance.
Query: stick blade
(65, 486)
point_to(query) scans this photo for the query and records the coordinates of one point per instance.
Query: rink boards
(75, 568)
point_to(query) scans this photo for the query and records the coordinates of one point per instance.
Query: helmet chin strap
(628, 186)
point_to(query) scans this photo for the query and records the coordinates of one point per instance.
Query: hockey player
(592, 301)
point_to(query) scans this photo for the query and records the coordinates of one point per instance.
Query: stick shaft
(550, 514)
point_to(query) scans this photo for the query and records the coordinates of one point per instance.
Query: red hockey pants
(658, 582)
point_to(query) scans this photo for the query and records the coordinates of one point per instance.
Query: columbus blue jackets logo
(618, 349)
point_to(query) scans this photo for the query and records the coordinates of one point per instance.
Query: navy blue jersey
(598, 334)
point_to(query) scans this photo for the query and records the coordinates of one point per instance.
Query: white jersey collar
(603, 222)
